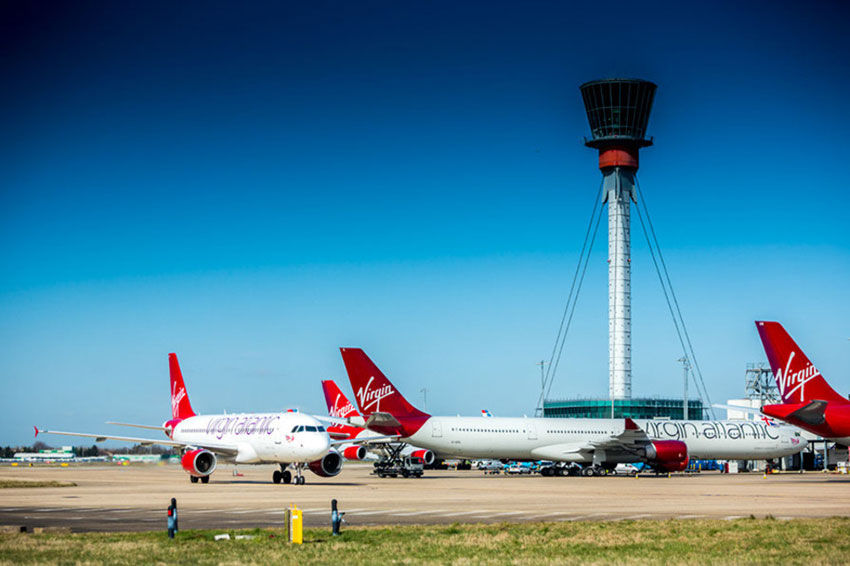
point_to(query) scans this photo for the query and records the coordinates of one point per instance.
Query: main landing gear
(204, 479)
(285, 475)
(589, 471)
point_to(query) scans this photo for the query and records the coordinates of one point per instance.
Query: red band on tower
(618, 157)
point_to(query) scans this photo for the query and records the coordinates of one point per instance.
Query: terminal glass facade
(634, 408)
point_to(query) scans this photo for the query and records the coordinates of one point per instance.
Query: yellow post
(296, 526)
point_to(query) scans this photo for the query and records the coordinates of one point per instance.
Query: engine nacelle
(199, 463)
(328, 466)
(354, 453)
(668, 455)
(426, 455)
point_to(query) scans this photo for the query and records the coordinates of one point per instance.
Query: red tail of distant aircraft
(808, 400)
(340, 407)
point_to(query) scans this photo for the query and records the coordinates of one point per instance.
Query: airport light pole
(686, 367)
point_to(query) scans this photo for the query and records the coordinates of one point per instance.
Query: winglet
(36, 430)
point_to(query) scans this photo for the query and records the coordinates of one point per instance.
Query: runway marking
(374, 512)
(245, 511)
(733, 517)
(497, 514)
(632, 517)
(463, 513)
(410, 514)
(689, 516)
(549, 514)
(313, 510)
(48, 509)
(207, 511)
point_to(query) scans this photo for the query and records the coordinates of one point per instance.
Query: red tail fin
(799, 381)
(180, 406)
(373, 392)
(338, 404)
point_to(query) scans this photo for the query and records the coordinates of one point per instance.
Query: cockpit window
(295, 429)
(320, 428)
(310, 428)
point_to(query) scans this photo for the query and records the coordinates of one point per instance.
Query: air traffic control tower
(618, 113)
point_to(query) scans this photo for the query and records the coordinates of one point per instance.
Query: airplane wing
(348, 421)
(630, 440)
(368, 440)
(224, 449)
(150, 427)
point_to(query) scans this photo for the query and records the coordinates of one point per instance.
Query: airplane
(287, 438)
(598, 444)
(340, 407)
(808, 400)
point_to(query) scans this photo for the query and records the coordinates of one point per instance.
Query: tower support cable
(572, 297)
(672, 301)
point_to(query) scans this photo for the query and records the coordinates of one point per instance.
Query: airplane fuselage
(258, 437)
(558, 439)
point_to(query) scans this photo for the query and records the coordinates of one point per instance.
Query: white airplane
(288, 438)
(596, 443)
(353, 428)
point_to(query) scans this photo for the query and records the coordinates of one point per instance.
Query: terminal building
(640, 408)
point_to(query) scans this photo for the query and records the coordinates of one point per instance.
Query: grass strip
(751, 541)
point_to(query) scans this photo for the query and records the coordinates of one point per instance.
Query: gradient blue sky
(253, 187)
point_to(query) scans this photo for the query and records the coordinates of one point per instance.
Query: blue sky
(253, 187)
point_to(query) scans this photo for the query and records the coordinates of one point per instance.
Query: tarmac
(134, 498)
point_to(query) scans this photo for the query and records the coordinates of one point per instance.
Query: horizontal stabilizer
(812, 414)
(382, 420)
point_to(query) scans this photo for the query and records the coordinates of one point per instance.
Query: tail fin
(798, 380)
(180, 406)
(338, 404)
(372, 390)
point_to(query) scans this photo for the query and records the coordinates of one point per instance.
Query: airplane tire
(588, 472)
(302, 480)
(193, 479)
(205, 479)
(276, 476)
(286, 476)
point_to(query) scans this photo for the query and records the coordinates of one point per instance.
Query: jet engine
(354, 453)
(668, 455)
(426, 455)
(328, 466)
(198, 463)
